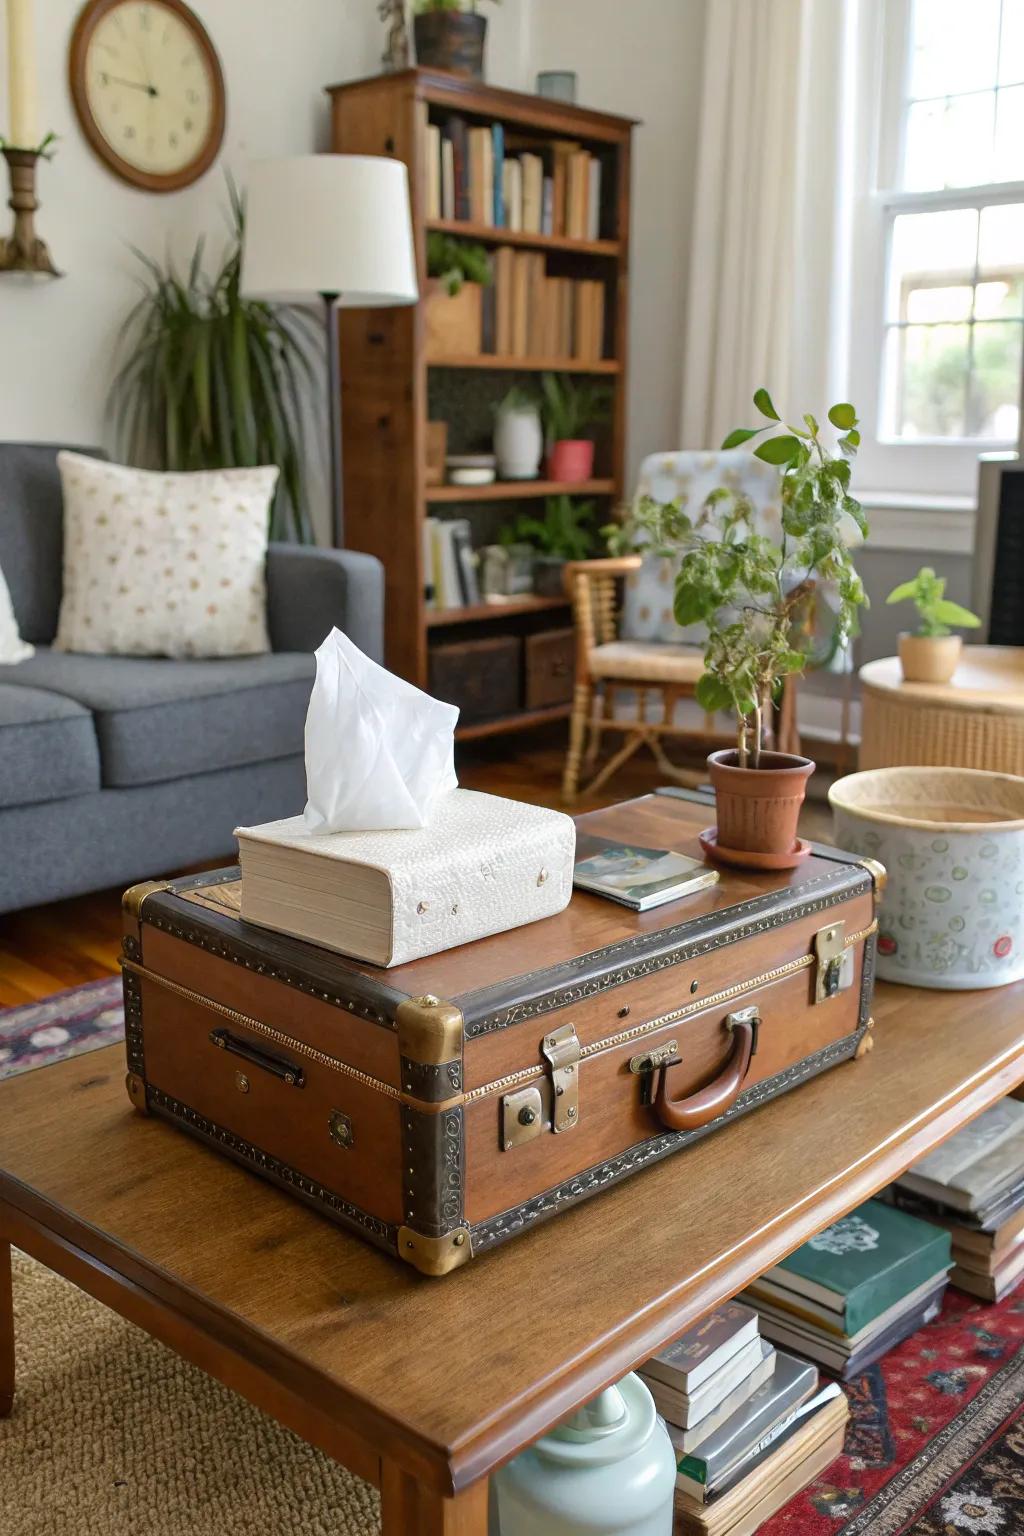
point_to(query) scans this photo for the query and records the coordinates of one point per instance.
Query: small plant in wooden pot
(457, 273)
(570, 409)
(450, 34)
(931, 654)
(752, 594)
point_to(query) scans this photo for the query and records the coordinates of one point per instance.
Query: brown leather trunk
(441, 1107)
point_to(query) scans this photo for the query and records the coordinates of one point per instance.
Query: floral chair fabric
(688, 476)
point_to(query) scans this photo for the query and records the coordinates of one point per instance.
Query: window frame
(946, 466)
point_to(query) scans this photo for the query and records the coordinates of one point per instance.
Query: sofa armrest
(310, 591)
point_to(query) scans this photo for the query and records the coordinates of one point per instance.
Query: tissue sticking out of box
(380, 754)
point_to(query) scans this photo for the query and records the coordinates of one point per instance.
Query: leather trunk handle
(717, 1096)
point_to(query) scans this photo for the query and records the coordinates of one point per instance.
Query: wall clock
(148, 89)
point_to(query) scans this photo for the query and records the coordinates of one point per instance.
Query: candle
(21, 67)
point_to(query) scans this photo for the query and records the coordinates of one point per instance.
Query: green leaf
(948, 612)
(778, 450)
(740, 435)
(853, 509)
(712, 694)
(843, 416)
(811, 424)
(763, 402)
(904, 593)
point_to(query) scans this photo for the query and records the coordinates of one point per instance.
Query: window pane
(1001, 239)
(924, 149)
(995, 381)
(1011, 44)
(931, 302)
(926, 381)
(925, 243)
(967, 139)
(1000, 299)
(1009, 151)
(953, 46)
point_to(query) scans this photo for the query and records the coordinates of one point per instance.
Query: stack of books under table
(749, 1425)
(850, 1294)
(973, 1186)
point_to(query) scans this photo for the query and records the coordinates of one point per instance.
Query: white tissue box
(484, 864)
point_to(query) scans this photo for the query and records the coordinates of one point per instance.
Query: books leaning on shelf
(973, 1187)
(537, 314)
(450, 574)
(854, 1291)
(475, 173)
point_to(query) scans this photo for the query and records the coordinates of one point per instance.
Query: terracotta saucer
(713, 848)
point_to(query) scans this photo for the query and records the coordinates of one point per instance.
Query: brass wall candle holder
(23, 250)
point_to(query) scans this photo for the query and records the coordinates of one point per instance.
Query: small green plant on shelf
(570, 408)
(455, 262)
(937, 614)
(565, 532)
(750, 592)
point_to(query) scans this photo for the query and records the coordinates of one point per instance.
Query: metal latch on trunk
(553, 1103)
(835, 962)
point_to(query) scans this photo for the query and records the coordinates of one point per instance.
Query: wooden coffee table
(974, 721)
(425, 1387)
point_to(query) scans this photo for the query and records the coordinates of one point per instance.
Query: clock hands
(135, 85)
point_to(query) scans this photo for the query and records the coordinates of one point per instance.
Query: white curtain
(768, 296)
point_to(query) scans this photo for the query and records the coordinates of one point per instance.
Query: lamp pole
(334, 415)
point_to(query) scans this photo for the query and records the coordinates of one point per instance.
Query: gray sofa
(115, 769)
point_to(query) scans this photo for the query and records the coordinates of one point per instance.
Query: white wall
(57, 338)
(642, 60)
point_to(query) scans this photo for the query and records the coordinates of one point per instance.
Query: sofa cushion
(158, 720)
(32, 534)
(48, 747)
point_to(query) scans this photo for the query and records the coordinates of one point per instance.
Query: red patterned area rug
(935, 1445)
(81, 1019)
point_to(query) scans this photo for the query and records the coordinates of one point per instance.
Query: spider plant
(213, 380)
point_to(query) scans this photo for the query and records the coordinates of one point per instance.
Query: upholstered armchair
(634, 664)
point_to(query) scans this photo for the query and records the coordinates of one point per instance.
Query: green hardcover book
(864, 1263)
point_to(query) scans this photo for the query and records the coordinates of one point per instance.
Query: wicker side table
(974, 721)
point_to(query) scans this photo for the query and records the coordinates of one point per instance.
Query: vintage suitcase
(445, 1105)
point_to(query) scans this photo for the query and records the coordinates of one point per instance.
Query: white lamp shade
(337, 224)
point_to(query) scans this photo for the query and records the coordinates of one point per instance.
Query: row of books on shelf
(478, 175)
(528, 313)
(746, 1411)
(449, 563)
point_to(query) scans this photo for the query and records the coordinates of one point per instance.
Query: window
(947, 227)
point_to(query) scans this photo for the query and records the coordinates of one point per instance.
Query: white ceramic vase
(518, 443)
(952, 841)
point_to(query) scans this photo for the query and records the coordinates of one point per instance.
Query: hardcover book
(687, 1409)
(690, 1360)
(835, 1359)
(686, 1440)
(792, 1382)
(864, 1263)
(640, 878)
(974, 1167)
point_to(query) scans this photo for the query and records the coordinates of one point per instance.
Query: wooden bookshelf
(517, 490)
(390, 380)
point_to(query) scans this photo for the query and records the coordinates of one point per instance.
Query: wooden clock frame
(89, 17)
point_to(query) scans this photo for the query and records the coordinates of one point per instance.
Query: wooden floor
(46, 949)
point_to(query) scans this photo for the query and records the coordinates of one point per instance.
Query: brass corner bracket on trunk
(429, 1030)
(435, 1255)
(137, 1092)
(878, 872)
(135, 895)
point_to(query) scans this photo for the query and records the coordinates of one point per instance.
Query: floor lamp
(337, 227)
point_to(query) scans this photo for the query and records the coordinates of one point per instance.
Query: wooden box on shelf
(480, 676)
(550, 659)
(453, 321)
(396, 359)
(437, 453)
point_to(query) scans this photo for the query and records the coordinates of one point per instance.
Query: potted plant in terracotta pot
(450, 35)
(752, 595)
(564, 533)
(569, 409)
(932, 652)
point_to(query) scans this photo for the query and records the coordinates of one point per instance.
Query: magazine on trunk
(637, 877)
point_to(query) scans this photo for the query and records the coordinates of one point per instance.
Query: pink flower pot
(571, 461)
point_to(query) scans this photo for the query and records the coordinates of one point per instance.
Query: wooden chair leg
(788, 734)
(6, 1332)
(599, 713)
(409, 1509)
(632, 744)
(577, 735)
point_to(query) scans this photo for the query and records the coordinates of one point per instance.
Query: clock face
(149, 91)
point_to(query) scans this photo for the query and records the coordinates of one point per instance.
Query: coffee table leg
(409, 1509)
(6, 1333)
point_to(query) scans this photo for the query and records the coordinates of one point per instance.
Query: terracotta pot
(452, 40)
(571, 460)
(757, 808)
(929, 658)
